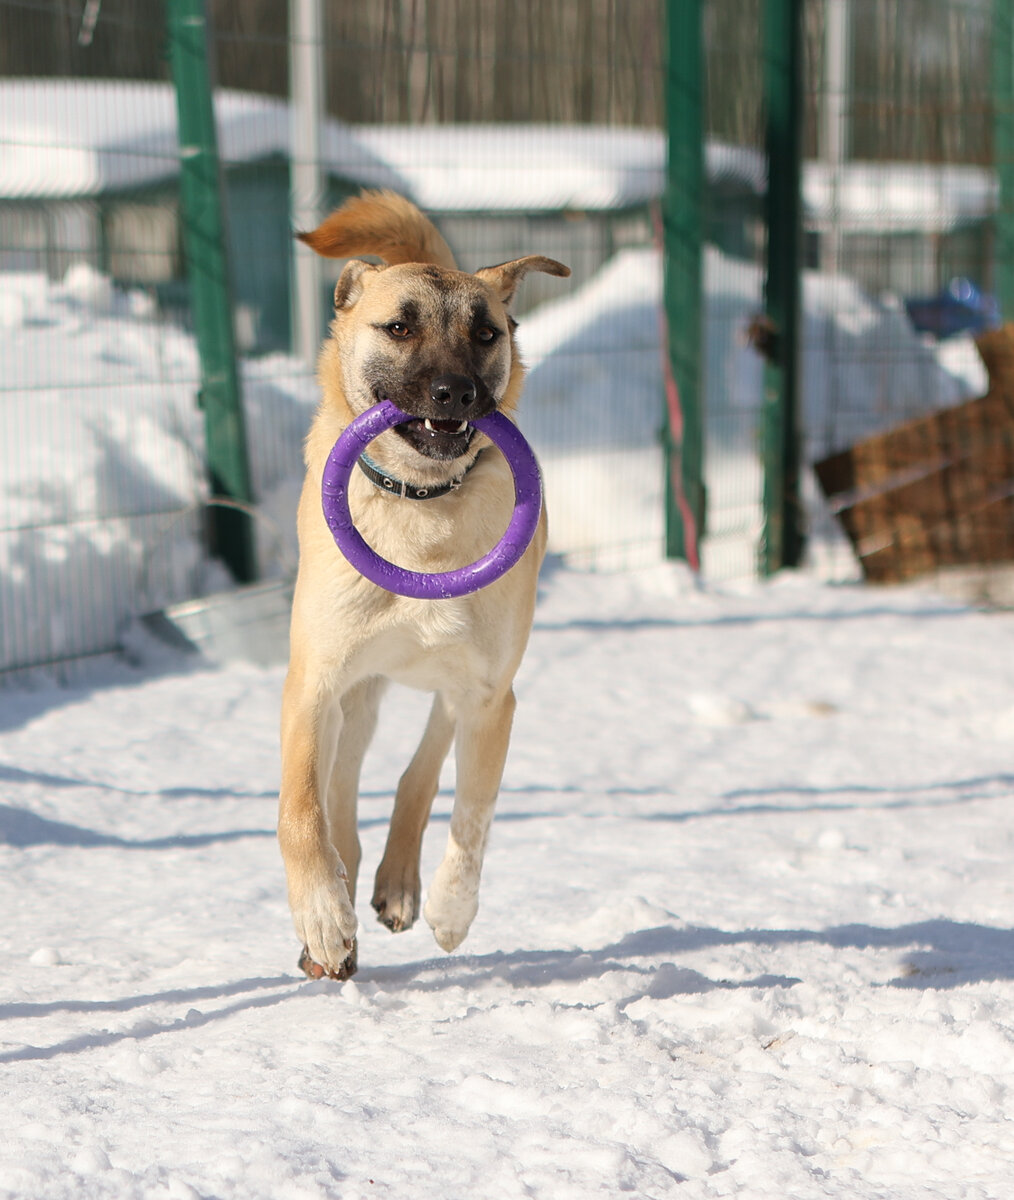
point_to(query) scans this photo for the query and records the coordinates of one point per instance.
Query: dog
(439, 343)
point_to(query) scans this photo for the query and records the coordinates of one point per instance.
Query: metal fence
(900, 205)
(534, 126)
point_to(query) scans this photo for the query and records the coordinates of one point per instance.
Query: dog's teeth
(428, 424)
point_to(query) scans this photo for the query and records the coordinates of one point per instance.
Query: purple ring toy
(445, 584)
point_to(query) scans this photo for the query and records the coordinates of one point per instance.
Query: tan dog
(439, 343)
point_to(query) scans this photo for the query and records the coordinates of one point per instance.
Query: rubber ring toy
(442, 585)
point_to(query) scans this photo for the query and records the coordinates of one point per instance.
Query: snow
(74, 138)
(744, 930)
(527, 168)
(896, 197)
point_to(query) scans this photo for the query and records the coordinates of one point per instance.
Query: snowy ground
(745, 928)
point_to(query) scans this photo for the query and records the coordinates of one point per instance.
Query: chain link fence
(530, 127)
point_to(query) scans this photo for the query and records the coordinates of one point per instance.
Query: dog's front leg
(483, 735)
(396, 892)
(319, 896)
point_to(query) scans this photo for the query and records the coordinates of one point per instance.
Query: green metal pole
(683, 236)
(1003, 154)
(204, 241)
(782, 536)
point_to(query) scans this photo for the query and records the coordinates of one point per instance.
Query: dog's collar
(409, 491)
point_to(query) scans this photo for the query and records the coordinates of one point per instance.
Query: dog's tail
(380, 223)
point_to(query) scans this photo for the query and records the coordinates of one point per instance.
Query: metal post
(204, 242)
(782, 537)
(683, 236)
(834, 128)
(1003, 154)
(306, 89)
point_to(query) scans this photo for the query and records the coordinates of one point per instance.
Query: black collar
(409, 491)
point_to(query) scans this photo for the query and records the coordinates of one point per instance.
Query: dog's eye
(398, 329)
(485, 334)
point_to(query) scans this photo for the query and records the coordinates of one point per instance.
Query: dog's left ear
(504, 279)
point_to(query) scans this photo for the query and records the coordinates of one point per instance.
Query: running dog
(432, 495)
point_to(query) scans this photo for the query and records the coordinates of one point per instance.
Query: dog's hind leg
(396, 892)
(483, 735)
(319, 897)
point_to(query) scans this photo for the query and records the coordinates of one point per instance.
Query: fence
(899, 195)
(535, 126)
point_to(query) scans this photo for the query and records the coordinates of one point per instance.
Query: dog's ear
(349, 287)
(504, 279)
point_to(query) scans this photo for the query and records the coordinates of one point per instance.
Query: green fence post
(1003, 154)
(782, 536)
(204, 241)
(682, 235)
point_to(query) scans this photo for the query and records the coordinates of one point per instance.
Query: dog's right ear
(349, 287)
(505, 277)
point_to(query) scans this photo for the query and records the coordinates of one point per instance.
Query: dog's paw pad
(346, 969)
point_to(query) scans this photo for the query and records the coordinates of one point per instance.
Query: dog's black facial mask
(434, 433)
(440, 362)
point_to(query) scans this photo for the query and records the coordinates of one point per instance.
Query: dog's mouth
(439, 439)
(436, 437)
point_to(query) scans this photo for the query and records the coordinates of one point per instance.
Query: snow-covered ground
(745, 928)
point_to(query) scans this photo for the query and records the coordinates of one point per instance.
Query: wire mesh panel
(100, 459)
(533, 127)
(899, 201)
(529, 128)
(900, 197)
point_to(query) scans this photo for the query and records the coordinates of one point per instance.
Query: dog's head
(436, 341)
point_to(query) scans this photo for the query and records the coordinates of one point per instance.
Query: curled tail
(380, 223)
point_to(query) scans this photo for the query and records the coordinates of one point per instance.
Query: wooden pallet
(937, 492)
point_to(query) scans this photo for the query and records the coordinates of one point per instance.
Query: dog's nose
(454, 393)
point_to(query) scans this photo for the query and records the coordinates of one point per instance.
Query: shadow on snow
(939, 954)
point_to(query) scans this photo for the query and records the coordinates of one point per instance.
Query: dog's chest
(424, 644)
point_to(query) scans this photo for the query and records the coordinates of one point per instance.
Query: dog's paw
(326, 925)
(313, 970)
(396, 899)
(450, 915)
